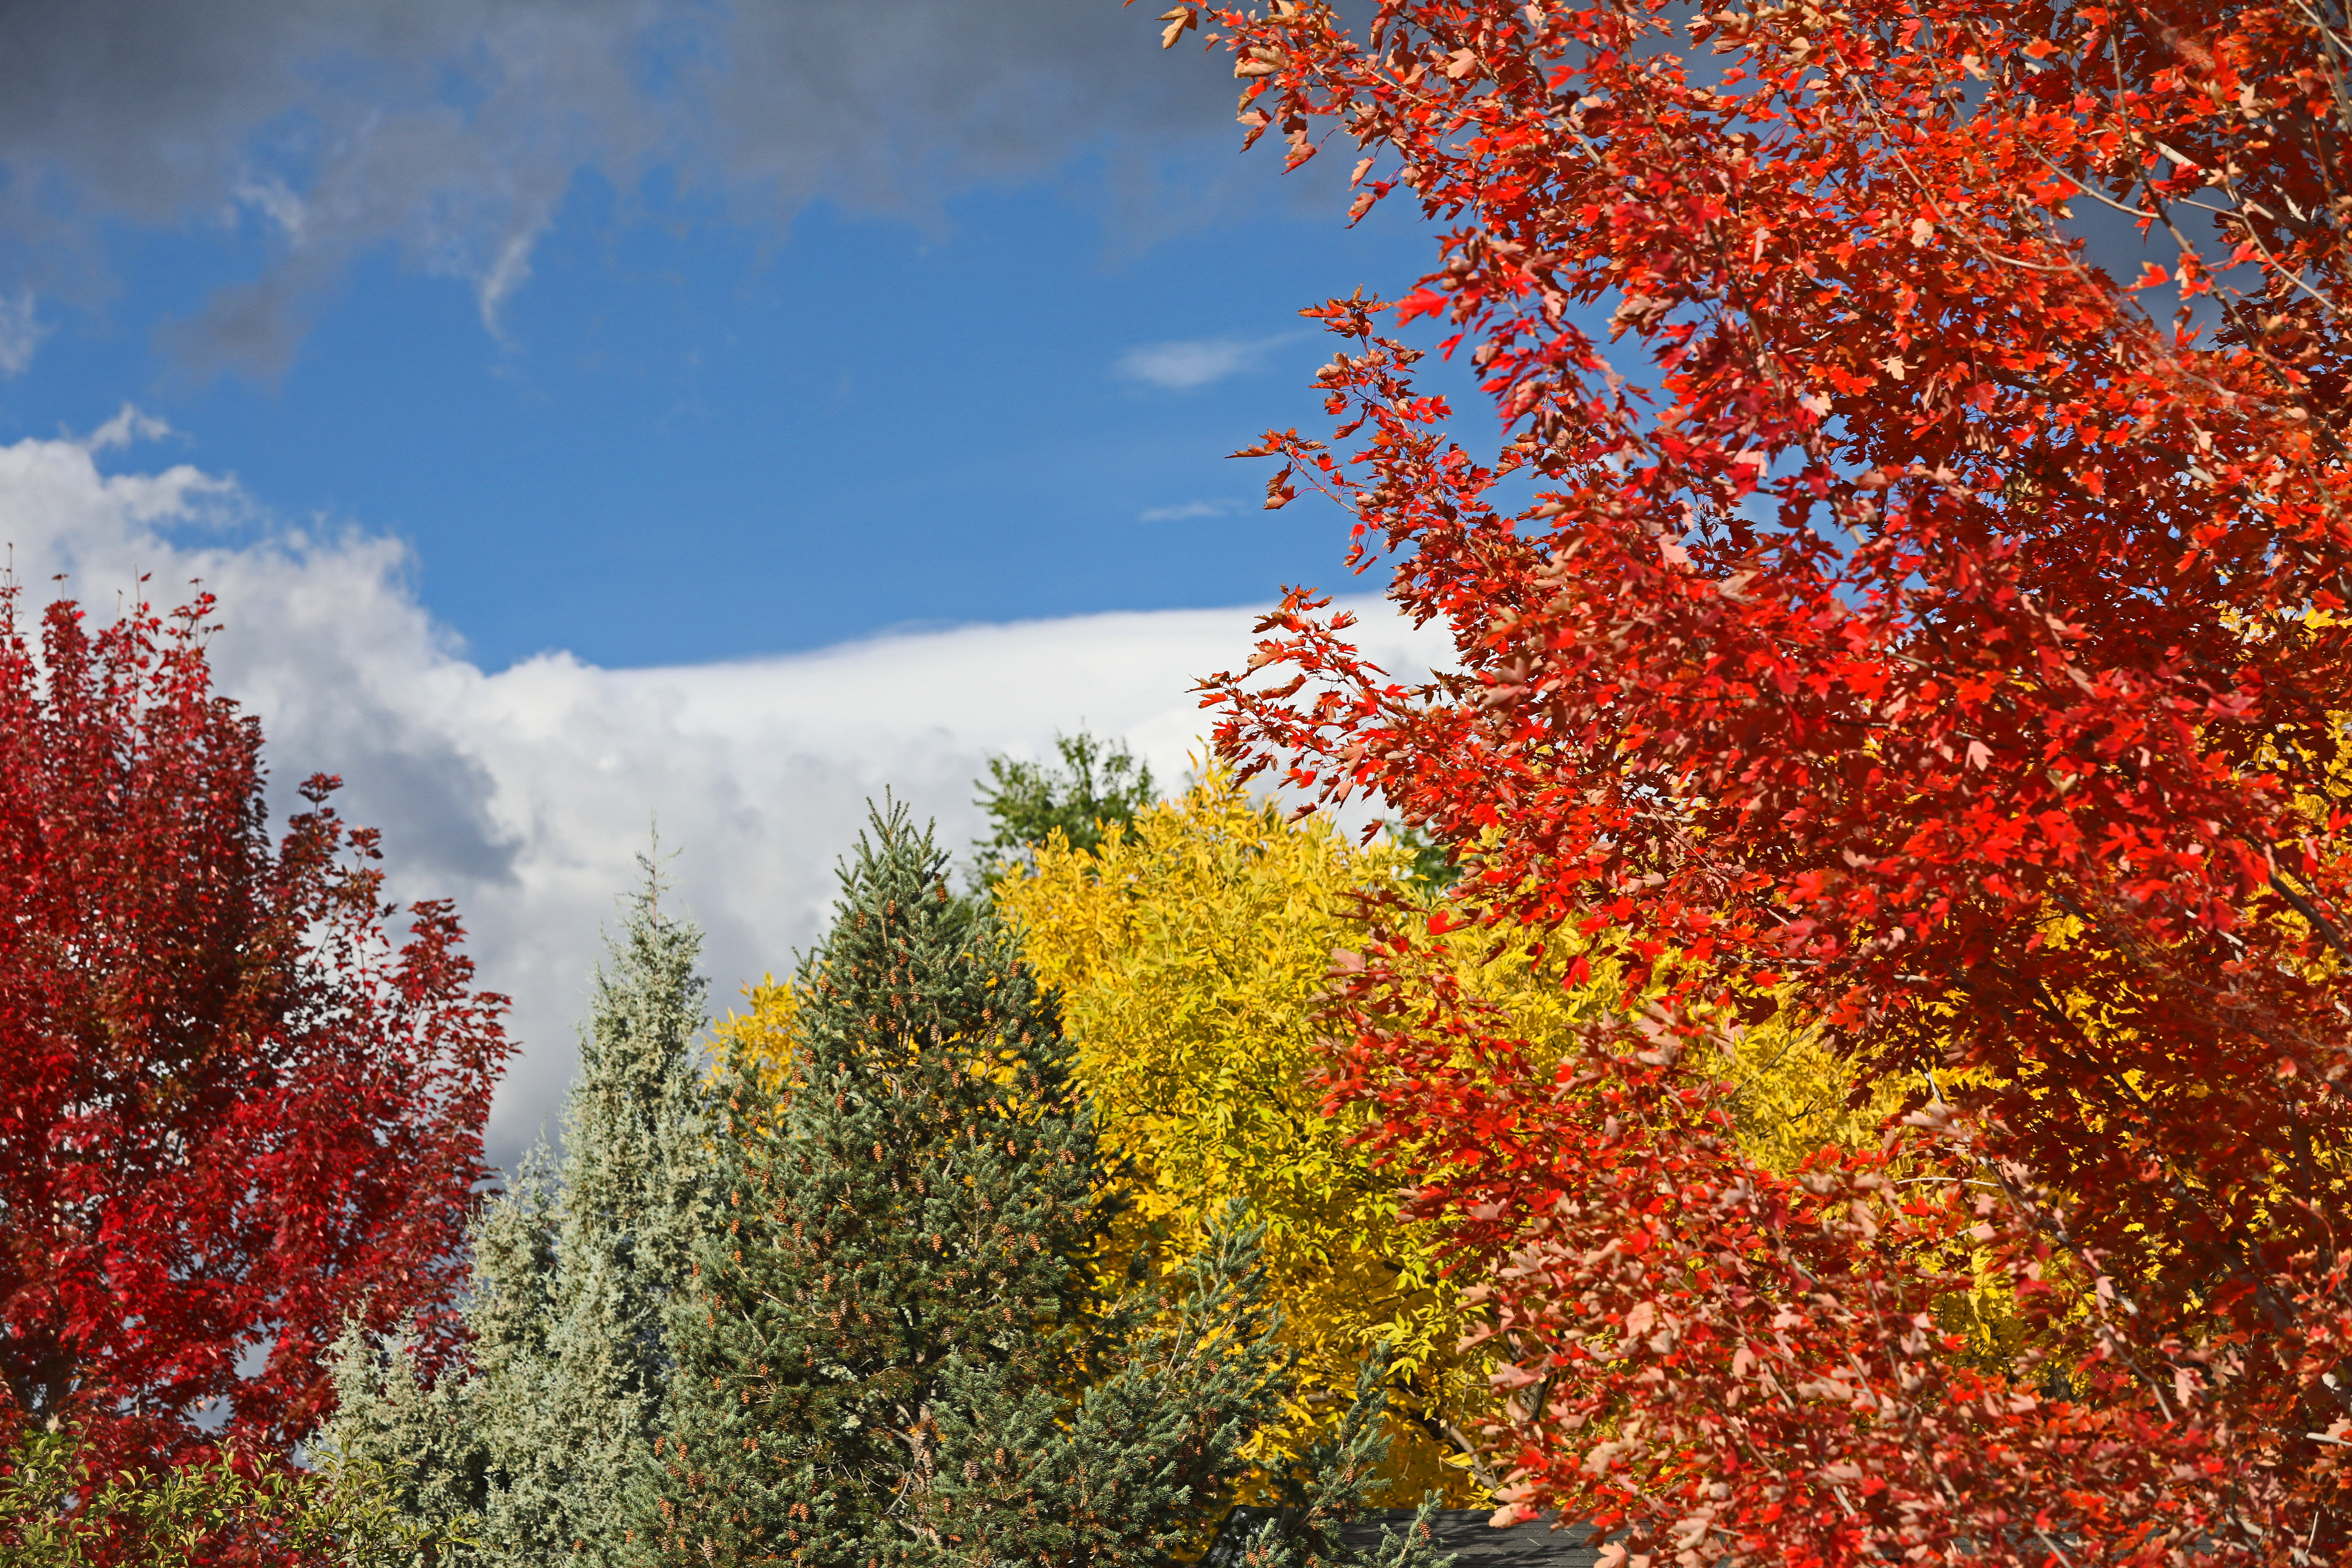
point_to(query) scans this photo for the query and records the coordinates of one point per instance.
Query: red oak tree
(233, 1114)
(1917, 622)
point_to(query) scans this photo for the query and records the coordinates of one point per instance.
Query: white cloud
(129, 425)
(1193, 362)
(274, 199)
(525, 793)
(1186, 511)
(21, 331)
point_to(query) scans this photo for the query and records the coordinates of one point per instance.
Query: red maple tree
(233, 1114)
(1911, 620)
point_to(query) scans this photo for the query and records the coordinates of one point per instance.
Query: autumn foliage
(1878, 605)
(1189, 949)
(234, 1112)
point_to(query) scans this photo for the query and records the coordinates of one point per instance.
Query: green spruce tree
(922, 1190)
(1326, 1492)
(890, 1354)
(527, 1455)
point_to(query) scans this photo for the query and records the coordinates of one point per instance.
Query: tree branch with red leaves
(237, 1112)
(1915, 621)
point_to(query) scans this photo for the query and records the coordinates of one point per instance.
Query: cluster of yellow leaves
(762, 1037)
(1793, 1096)
(1191, 953)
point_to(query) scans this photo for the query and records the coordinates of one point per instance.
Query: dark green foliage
(1099, 783)
(1143, 1460)
(921, 1192)
(1325, 1491)
(890, 1355)
(1434, 866)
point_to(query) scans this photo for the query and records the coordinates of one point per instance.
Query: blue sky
(597, 412)
(592, 412)
(714, 412)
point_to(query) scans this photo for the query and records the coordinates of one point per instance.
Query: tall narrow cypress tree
(529, 1455)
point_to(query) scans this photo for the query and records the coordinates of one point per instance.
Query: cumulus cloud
(1192, 363)
(452, 129)
(525, 793)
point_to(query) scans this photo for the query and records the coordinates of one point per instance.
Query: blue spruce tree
(526, 1458)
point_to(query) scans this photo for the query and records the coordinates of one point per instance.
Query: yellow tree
(1192, 949)
(764, 1034)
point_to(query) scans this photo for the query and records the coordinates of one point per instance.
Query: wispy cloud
(525, 794)
(1191, 362)
(275, 200)
(21, 331)
(451, 130)
(1189, 509)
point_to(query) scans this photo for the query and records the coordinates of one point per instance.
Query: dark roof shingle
(1464, 1533)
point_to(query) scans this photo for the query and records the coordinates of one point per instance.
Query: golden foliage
(763, 1036)
(1191, 952)
(1793, 1096)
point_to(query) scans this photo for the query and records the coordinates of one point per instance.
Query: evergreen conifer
(435, 1438)
(890, 1354)
(527, 1457)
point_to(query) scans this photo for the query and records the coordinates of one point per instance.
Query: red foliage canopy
(231, 1115)
(1908, 620)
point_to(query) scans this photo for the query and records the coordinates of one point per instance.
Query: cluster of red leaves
(1722, 1364)
(233, 1116)
(1941, 638)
